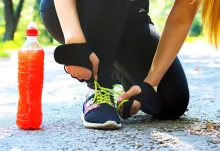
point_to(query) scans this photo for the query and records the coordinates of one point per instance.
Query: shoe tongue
(90, 92)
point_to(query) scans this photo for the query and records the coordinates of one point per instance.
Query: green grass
(4, 54)
(6, 47)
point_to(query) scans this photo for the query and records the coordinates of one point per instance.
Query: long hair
(211, 20)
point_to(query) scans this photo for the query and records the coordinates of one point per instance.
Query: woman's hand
(82, 73)
(72, 31)
(134, 90)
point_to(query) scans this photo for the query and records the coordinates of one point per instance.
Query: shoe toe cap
(102, 114)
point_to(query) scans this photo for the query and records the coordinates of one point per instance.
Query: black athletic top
(140, 3)
(136, 5)
(138, 10)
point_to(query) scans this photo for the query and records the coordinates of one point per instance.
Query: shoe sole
(107, 125)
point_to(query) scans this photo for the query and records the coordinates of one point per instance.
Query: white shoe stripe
(106, 125)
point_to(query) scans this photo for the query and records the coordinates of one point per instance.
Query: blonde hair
(211, 20)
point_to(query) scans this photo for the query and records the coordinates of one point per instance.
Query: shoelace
(117, 93)
(103, 95)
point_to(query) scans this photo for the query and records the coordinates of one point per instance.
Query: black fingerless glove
(74, 54)
(148, 98)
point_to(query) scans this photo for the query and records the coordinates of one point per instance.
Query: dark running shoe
(99, 110)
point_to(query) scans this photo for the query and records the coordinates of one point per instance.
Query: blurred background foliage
(15, 14)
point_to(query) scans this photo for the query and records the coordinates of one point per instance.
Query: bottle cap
(32, 29)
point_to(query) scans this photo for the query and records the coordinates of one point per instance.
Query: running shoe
(99, 109)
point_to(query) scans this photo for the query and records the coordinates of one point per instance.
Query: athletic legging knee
(50, 20)
(102, 22)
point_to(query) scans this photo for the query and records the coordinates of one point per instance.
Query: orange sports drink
(30, 81)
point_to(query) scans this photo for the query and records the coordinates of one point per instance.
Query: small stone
(211, 127)
(139, 146)
(162, 142)
(213, 146)
(215, 141)
(197, 69)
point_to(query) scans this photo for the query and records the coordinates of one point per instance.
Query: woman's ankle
(135, 107)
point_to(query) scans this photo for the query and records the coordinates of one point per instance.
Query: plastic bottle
(30, 81)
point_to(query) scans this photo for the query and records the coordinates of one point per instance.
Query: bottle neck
(32, 37)
(31, 44)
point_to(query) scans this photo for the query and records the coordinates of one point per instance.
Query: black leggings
(121, 33)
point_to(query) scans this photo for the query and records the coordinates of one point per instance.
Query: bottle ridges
(30, 85)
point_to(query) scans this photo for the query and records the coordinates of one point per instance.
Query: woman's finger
(67, 69)
(134, 90)
(80, 73)
(95, 65)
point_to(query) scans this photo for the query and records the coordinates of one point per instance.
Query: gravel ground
(198, 129)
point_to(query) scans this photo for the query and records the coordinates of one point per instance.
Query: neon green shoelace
(117, 93)
(103, 95)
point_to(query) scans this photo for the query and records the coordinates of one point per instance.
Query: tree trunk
(17, 15)
(11, 18)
